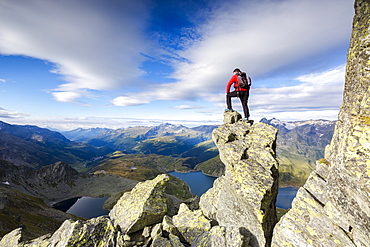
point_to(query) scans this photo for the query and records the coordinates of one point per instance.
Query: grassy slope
(146, 166)
(19, 209)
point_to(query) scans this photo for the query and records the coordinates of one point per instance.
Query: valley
(46, 166)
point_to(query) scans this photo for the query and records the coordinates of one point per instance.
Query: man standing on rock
(240, 92)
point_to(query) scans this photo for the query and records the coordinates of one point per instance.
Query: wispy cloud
(262, 41)
(93, 45)
(317, 94)
(12, 114)
(100, 47)
(2, 80)
(66, 96)
(63, 124)
(187, 107)
(128, 101)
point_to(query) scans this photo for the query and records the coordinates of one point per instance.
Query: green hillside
(19, 209)
(141, 167)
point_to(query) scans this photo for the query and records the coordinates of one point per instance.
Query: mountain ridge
(36, 147)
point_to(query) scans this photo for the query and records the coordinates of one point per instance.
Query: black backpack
(244, 81)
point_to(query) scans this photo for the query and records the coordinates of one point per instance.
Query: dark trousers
(243, 96)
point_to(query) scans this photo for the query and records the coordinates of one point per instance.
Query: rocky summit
(333, 207)
(244, 198)
(238, 211)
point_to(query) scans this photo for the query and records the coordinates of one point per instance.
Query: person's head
(237, 70)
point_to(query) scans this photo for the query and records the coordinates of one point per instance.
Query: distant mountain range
(36, 147)
(299, 145)
(165, 139)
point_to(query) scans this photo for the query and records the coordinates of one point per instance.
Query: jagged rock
(231, 117)
(245, 196)
(145, 205)
(220, 236)
(161, 242)
(57, 172)
(156, 231)
(191, 224)
(333, 207)
(207, 202)
(95, 232)
(175, 241)
(13, 238)
(160, 230)
(170, 228)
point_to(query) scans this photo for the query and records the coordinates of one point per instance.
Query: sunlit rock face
(333, 207)
(244, 198)
(145, 205)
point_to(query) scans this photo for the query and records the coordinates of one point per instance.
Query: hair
(237, 70)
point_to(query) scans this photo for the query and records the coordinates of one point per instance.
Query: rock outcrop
(333, 207)
(238, 211)
(244, 198)
(147, 202)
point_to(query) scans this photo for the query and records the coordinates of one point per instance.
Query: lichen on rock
(191, 224)
(244, 198)
(145, 205)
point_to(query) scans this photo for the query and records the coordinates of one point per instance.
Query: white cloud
(12, 114)
(128, 101)
(93, 45)
(330, 76)
(96, 47)
(317, 93)
(266, 36)
(62, 123)
(187, 107)
(66, 96)
(2, 80)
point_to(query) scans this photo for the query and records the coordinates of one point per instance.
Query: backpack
(244, 81)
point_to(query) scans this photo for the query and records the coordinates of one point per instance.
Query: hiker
(241, 92)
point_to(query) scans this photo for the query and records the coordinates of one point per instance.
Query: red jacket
(234, 79)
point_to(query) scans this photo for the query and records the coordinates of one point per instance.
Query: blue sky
(118, 63)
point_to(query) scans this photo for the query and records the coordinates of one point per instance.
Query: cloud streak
(187, 107)
(93, 45)
(262, 41)
(317, 94)
(98, 47)
(11, 114)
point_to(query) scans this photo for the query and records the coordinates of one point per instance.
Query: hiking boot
(231, 109)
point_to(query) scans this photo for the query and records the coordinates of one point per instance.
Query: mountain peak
(293, 124)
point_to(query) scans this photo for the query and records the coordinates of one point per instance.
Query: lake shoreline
(285, 186)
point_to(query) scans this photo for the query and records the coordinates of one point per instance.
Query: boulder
(13, 238)
(231, 117)
(145, 205)
(220, 236)
(191, 224)
(95, 232)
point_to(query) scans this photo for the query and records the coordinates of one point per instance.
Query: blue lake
(200, 183)
(285, 197)
(89, 207)
(85, 207)
(197, 181)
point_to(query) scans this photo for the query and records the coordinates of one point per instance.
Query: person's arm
(232, 80)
